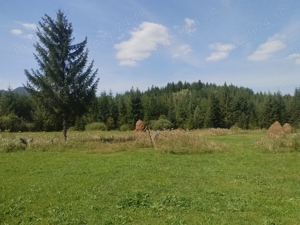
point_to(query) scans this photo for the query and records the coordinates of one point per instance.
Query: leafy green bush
(162, 124)
(30, 127)
(71, 129)
(79, 124)
(151, 123)
(125, 127)
(96, 126)
(12, 123)
(110, 123)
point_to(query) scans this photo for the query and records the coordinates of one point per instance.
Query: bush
(162, 124)
(30, 127)
(125, 127)
(96, 126)
(110, 123)
(79, 124)
(12, 123)
(71, 129)
(151, 123)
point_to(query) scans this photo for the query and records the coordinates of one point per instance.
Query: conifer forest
(181, 105)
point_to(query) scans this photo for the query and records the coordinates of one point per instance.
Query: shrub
(125, 127)
(151, 123)
(71, 129)
(96, 126)
(12, 123)
(110, 123)
(30, 127)
(162, 124)
(79, 124)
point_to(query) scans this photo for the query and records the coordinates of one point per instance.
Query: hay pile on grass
(139, 126)
(275, 130)
(287, 128)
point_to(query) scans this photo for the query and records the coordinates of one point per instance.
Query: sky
(140, 43)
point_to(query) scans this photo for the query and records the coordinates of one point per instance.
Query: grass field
(96, 182)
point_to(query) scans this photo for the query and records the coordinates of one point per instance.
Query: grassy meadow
(210, 176)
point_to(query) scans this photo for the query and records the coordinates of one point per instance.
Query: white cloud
(221, 51)
(29, 26)
(295, 56)
(142, 42)
(267, 49)
(292, 56)
(16, 31)
(181, 50)
(189, 25)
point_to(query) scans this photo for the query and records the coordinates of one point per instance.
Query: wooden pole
(152, 140)
(140, 135)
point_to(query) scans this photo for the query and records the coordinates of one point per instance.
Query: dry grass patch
(177, 142)
(287, 144)
(187, 142)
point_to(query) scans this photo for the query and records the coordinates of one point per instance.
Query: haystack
(287, 128)
(139, 126)
(275, 130)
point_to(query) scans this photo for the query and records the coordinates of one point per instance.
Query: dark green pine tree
(103, 104)
(64, 84)
(295, 112)
(213, 114)
(197, 119)
(226, 107)
(112, 120)
(136, 105)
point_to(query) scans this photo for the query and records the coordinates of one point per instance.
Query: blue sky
(250, 43)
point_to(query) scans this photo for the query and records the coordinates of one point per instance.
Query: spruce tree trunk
(65, 128)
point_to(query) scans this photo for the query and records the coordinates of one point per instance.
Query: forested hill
(178, 105)
(202, 105)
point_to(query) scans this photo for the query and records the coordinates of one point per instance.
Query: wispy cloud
(181, 50)
(189, 25)
(267, 49)
(143, 41)
(29, 26)
(221, 51)
(16, 31)
(295, 56)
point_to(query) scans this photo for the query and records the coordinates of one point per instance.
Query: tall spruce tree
(295, 117)
(136, 106)
(64, 84)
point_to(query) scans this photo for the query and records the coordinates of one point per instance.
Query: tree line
(183, 105)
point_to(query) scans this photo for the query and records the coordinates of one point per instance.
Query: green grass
(242, 185)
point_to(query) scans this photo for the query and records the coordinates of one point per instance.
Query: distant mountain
(18, 90)
(21, 91)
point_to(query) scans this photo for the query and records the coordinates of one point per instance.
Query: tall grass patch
(175, 142)
(289, 143)
(187, 142)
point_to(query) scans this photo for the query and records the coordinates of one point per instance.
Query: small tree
(63, 84)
